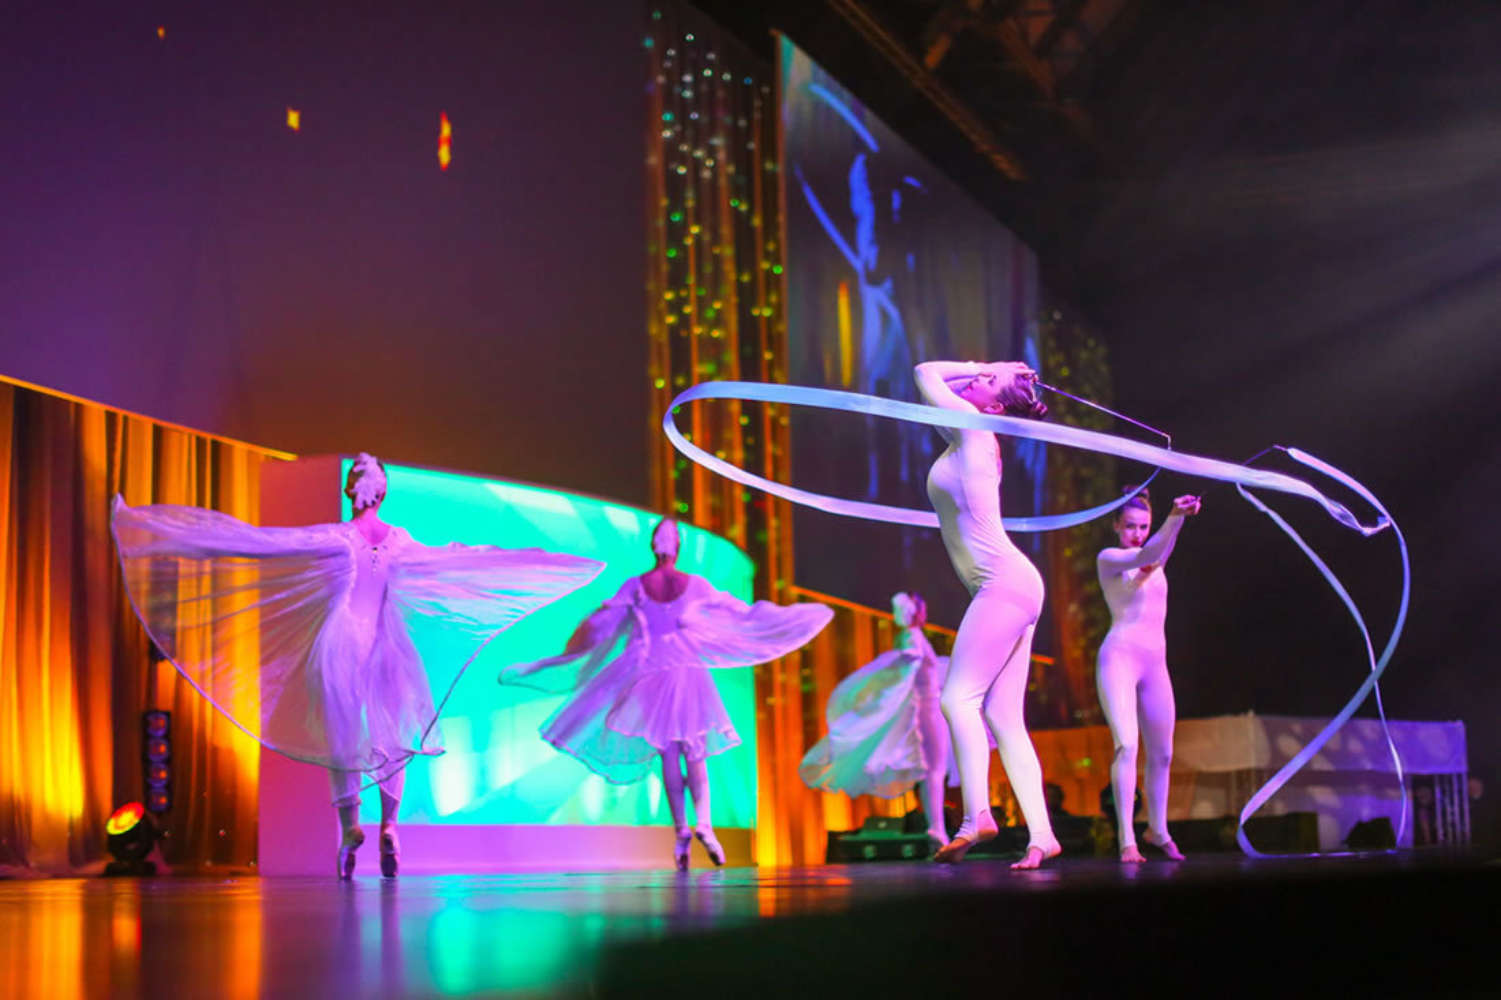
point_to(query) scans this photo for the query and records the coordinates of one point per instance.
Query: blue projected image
(889, 264)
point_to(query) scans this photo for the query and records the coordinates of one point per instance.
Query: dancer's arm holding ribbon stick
(1157, 548)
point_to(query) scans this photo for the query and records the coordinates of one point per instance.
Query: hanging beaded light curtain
(715, 310)
(714, 273)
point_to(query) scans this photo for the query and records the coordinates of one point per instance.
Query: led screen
(889, 264)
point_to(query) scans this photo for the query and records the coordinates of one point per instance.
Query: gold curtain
(76, 670)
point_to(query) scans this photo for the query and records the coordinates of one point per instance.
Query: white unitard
(987, 679)
(1132, 676)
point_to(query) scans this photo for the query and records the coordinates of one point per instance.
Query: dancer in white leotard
(886, 731)
(1132, 675)
(640, 695)
(302, 636)
(987, 680)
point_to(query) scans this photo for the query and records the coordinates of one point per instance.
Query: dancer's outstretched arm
(1157, 548)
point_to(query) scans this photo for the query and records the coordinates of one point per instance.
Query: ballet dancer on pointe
(320, 612)
(1132, 674)
(886, 730)
(656, 698)
(987, 679)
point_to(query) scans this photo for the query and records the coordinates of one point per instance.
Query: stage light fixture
(130, 835)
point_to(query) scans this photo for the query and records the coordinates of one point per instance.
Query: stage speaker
(1372, 835)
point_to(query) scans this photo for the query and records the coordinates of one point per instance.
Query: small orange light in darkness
(445, 141)
(294, 119)
(161, 31)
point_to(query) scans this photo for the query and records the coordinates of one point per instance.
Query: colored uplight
(294, 119)
(445, 141)
(124, 819)
(161, 31)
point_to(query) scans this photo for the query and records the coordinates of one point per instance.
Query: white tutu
(875, 744)
(629, 704)
(299, 635)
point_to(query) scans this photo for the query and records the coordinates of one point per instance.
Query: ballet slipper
(1163, 843)
(390, 850)
(348, 844)
(969, 835)
(936, 839)
(1131, 855)
(681, 847)
(1036, 855)
(705, 835)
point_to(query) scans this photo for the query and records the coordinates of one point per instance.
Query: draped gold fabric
(76, 670)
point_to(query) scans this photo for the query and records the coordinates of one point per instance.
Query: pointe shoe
(390, 851)
(351, 841)
(680, 849)
(706, 837)
(1164, 844)
(954, 851)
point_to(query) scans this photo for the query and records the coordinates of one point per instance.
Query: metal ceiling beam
(895, 51)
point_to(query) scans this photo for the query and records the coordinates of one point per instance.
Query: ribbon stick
(1243, 477)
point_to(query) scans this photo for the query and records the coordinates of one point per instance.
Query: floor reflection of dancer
(1133, 678)
(656, 698)
(987, 680)
(886, 730)
(321, 610)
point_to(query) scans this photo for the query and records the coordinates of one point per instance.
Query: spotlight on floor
(130, 836)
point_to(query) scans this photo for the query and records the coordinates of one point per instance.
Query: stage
(1408, 921)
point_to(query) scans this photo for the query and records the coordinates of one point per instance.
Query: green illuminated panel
(497, 769)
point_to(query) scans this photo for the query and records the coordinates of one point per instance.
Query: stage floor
(1215, 922)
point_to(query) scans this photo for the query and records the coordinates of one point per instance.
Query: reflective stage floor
(1215, 923)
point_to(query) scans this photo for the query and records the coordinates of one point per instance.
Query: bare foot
(1163, 843)
(1036, 855)
(954, 851)
(969, 835)
(1130, 855)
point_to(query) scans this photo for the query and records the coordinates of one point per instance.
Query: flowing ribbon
(933, 416)
(1243, 477)
(1377, 664)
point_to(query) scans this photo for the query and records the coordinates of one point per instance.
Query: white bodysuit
(987, 679)
(1132, 677)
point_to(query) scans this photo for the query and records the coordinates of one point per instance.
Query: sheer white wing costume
(630, 703)
(300, 635)
(875, 743)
